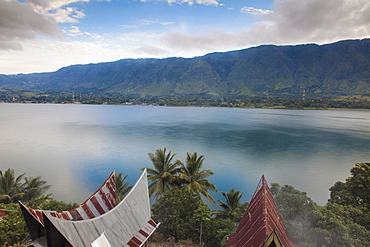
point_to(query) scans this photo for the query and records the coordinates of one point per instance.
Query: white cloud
(37, 54)
(68, 15)
(74, 31)
(149, 22)
(25, 20)
(254, 11)
(290, 22)
(19, 21)
(128, 26)
(190, 2)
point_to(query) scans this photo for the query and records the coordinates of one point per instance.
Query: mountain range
(319, 71)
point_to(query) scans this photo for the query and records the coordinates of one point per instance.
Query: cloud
(254, 11)
(19, 21)
(190, 2)
(74, 31)
(128, 26)
(321, 21)
(290, 22)
(149, 22)
(25, 20)
(68, 15)
(151, 51)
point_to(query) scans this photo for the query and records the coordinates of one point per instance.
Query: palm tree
(10, 186)
(231, 207)
(194, 179)
(122, 187)
(162, 177)
(34, 188)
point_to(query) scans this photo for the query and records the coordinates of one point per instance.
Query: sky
(46, 35)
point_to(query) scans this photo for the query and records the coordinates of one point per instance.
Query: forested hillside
(267, 71)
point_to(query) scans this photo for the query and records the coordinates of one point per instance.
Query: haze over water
(75, 147)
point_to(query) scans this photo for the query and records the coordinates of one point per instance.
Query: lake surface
(75, 147)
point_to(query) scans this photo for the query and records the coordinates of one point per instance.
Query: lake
(75, 147)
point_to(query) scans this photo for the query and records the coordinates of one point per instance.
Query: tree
(179, 213)
(334, 226)
(298, 213)
(54, 205)
(122, 187)
(355, 191)
(311, 225)
(13, 228)
(216, 230)
(10, 186)
(203, 214)
(231, 207)
(162, 177)
(34, 188)
(194, 179)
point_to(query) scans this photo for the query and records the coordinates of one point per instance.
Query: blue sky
(45, 35)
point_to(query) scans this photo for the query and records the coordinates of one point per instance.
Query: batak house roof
(98, 221)
(262, 224)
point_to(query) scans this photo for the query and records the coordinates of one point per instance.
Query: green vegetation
(232, 209)
(193, 179)
(12, 189)
(184, 216)
(342, 102)
(163, 175)
(122, 187)
(269, 72)
(343, 221)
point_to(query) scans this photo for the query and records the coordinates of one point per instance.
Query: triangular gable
(54, 238)
(260, 220)
(130, 219)
(35, 228)
(273, 241)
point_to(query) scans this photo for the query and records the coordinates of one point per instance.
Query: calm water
(75, 147)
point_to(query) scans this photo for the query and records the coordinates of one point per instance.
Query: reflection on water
(75, 147)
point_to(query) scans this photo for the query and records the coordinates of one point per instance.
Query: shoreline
(205, 106)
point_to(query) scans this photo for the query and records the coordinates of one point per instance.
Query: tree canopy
(194, 179)
(162, 176)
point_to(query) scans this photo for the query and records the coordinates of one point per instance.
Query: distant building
(262, 225)
(96, 222)
(2, 214)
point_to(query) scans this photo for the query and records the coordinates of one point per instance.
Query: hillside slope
(341, 68)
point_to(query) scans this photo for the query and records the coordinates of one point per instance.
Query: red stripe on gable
(64, 216)
(109, 203)
(136, 240)
(152, 223)
(87, 210)
(111, 187)
(97, 205)
(145, 234)
(132, 244)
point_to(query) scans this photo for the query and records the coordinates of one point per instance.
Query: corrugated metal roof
(103, 200)
(130, 219)
(260, 220)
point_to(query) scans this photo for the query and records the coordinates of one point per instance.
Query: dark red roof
(2, 213)
(259, 221)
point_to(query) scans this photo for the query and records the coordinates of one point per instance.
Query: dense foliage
(168, 175)
(347, 102)
(343, 221)
(267, 71)
(14, 188)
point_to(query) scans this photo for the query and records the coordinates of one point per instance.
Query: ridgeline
(268, 71)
